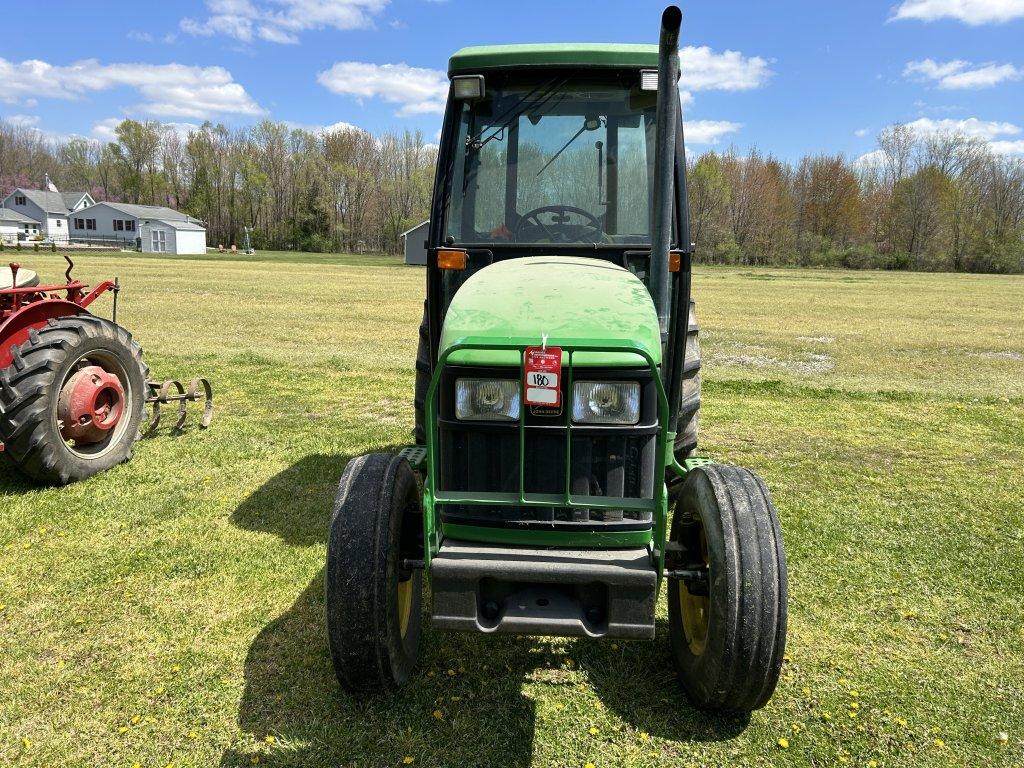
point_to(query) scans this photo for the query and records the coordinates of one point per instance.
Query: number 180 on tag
(542, 368)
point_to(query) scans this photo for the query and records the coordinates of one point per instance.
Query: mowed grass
(170, 612)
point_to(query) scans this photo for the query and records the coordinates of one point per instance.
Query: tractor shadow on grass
(12, 482)
(636, 681)
(291, 693)
(476, 683)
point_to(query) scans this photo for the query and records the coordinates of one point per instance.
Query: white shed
(172, 236)
(15, 225)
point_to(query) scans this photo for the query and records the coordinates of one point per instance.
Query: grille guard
(657, 505)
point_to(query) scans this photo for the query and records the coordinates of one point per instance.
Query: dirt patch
(812, 363)
(817, 339)
(998, 355)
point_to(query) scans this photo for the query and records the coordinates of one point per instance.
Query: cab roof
(618, 55)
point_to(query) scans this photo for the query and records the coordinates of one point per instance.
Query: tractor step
(560, 592)
(416, 455)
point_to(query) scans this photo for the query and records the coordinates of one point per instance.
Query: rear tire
(727, 644)
(373, 607)
(689, 411)
(30, 390)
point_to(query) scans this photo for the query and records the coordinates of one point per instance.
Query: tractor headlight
(606, 402)
(487, 399)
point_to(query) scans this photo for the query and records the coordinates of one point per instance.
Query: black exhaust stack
(664, 161)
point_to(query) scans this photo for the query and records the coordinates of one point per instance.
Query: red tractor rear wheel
(72, 400)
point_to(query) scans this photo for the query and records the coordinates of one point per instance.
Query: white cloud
(870, 160)
(1008, 147)
(168, 90)
(103, 130)
(708, 131)
(972, 126)
(340, 126)
(22, 121)
(986, 130)
(958, 74)
(140, 37)
(861, 132)
(703, 70)
(973, 12)
(417, 90)
(281, 21)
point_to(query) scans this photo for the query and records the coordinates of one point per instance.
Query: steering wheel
(591, 227)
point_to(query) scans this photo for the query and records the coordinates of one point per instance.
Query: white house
(166, 230)
(15, 226)
(49, 209)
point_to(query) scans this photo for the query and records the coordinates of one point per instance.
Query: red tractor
(73, 386)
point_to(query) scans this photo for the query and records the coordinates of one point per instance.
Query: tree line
(341, 190)
(937, 201)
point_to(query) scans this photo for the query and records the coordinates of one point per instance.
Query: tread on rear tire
(30, 388)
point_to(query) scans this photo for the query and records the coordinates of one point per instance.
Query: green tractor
(558, 395)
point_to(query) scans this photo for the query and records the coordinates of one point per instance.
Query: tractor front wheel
(727, 600)
(72, 400)
(373, 595)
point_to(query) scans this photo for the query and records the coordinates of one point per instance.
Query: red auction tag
(543, 373)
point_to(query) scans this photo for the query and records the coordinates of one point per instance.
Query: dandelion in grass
(939, 743)
(783, 742)
(644, 736)
(408, 760)
(594, 730)
(438, 714)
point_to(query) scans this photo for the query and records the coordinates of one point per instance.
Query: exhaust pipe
(664, 161)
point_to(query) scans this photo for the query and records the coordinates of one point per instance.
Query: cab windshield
(564, 160)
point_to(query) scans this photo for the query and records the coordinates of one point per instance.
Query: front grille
(616, 462)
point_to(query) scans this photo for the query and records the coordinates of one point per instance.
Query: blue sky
(787, 77)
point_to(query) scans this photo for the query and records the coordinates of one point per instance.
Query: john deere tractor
(555, 487)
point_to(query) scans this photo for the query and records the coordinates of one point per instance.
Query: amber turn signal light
(450, 259)
(675, 259)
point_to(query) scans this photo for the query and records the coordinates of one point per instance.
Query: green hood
(559, 296)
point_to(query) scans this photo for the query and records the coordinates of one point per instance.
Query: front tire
(728, 632)
(35, 437)
(373, 604)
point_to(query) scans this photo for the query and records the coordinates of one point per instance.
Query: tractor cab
(547, 150)
(554, 486)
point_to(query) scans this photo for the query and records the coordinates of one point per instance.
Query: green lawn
(170, 611)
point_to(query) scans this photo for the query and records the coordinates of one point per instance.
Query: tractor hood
(561, 297)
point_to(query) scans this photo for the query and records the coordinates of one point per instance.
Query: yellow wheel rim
(404, 605)
(696, 609)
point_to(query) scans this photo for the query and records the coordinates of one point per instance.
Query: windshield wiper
(515, 112)
(564, 147)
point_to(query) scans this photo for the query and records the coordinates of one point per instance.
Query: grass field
(170, 611)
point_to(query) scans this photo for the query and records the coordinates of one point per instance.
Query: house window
(79, 223)
(59, 223)
(129, 224)
(118, 225)
(19, 199)
(90, 223)
(159, 241)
